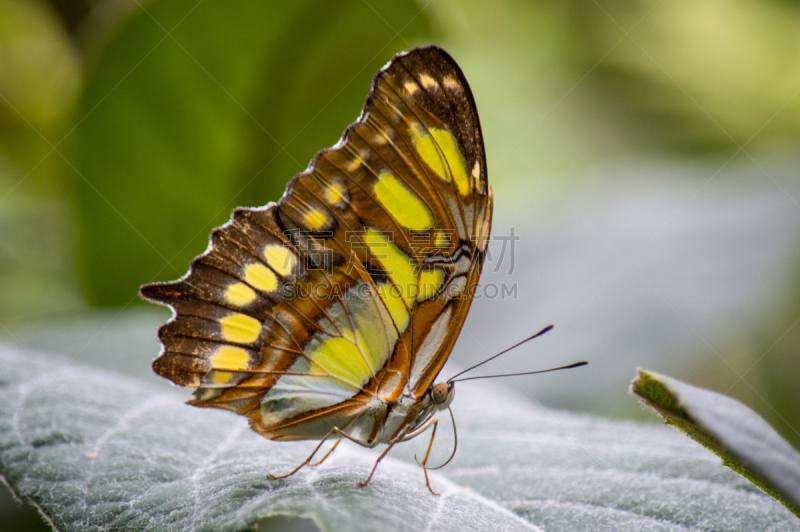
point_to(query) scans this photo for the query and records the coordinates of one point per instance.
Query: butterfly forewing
(320, 310)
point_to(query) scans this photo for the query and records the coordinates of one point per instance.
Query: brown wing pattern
(356, 283)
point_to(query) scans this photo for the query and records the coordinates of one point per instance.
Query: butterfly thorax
(409, 412)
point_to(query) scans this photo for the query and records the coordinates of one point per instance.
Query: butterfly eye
(439, 393)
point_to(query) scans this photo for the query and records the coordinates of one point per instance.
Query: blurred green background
(644, 151)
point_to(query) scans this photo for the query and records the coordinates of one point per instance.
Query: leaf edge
(666, 402)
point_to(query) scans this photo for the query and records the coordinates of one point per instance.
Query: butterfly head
(442, 395)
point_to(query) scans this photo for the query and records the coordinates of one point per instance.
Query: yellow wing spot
(240, 329)
(336, 194)
(221, 378)
(428, 82)
(430, 281)
(359, 159)
(439, 150)
(394, 304)
(354, 165)
(259, 276)
(411, 87)
(450, 83)
(405, 206)
(280, 259)
(230, 358)
(317, 219)
(239, 294)
(440, 239)
(341, 358)
(399, 266)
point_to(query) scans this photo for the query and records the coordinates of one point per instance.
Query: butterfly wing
(319, 310)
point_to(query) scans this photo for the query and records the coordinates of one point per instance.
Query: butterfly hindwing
(352, 289)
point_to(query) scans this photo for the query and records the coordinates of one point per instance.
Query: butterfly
(329, 314)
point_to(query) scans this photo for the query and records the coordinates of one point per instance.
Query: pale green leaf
(745, 442)
(100, 449)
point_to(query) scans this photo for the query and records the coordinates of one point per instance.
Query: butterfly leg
(307, 461)
(394, 440)
(315, 464)
(424, 463)
(419, 430)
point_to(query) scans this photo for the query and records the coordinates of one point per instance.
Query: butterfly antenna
(538, 334)
(575, 365)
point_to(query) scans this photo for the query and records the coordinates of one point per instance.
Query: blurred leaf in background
(191, 109)
(40, 76)
(709, 74)
(645, 151)
(37, 269)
